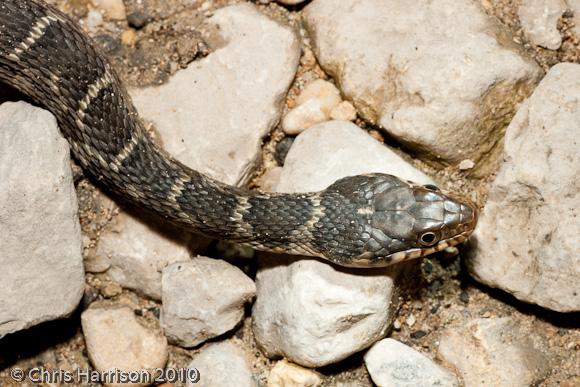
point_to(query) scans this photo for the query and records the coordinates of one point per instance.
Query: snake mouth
(410, 254)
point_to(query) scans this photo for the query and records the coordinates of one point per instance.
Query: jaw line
(410, 254)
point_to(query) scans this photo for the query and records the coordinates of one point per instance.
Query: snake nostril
(431, 187)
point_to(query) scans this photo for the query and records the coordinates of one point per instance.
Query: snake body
(365, 220)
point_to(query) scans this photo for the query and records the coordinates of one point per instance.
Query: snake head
(402, 220)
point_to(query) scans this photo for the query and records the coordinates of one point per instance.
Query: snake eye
(431, 187)
(428, 238)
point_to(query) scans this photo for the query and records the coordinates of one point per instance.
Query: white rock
(334, 149)
(40, 242)
(307, 310)
(314, 105)
(391, 363)
(212, 116)
(116, 340)
(344, 111)
(114, 9)
(527, 239)
(304, 116)
(314, 313)
(285, 374)
(223, 364)
(466, 164)
(493, 352)
(539, 20)
(321, 90)
(202, 299)
(138, 248)
(383, 54)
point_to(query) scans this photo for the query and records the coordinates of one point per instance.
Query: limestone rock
(391, 363)
(493, 352)
(307, 310)
(116, 340)
(40, 242)
(138, 247)
(202, 299)
(527, 241)
(212, 116)
(223, 364)
(334, 149)
(383, 54)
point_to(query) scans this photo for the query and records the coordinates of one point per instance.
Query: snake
(368, 220)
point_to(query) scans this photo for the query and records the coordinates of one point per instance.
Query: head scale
(404, 221)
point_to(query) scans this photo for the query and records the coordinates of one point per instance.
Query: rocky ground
(290, 97)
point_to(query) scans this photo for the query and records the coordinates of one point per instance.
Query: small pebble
(464, 297)
(539, 22)
(111, 290)
(155, 311)
(344, 111)
(90, 294)
(94, 20)
(450, 252)
(285, 374)
(304, 116)
(410, 321)
(418, 334)
(138, 19)
(321, 90)
(308, 59)
(114, 9)
(376, 135)
(466, 164)
(314, 105)
(128, 37)
(397, 325)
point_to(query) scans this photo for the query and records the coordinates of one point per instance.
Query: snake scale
(364, 221)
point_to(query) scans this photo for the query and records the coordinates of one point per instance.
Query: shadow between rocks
(33, 341)
(563, 320)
